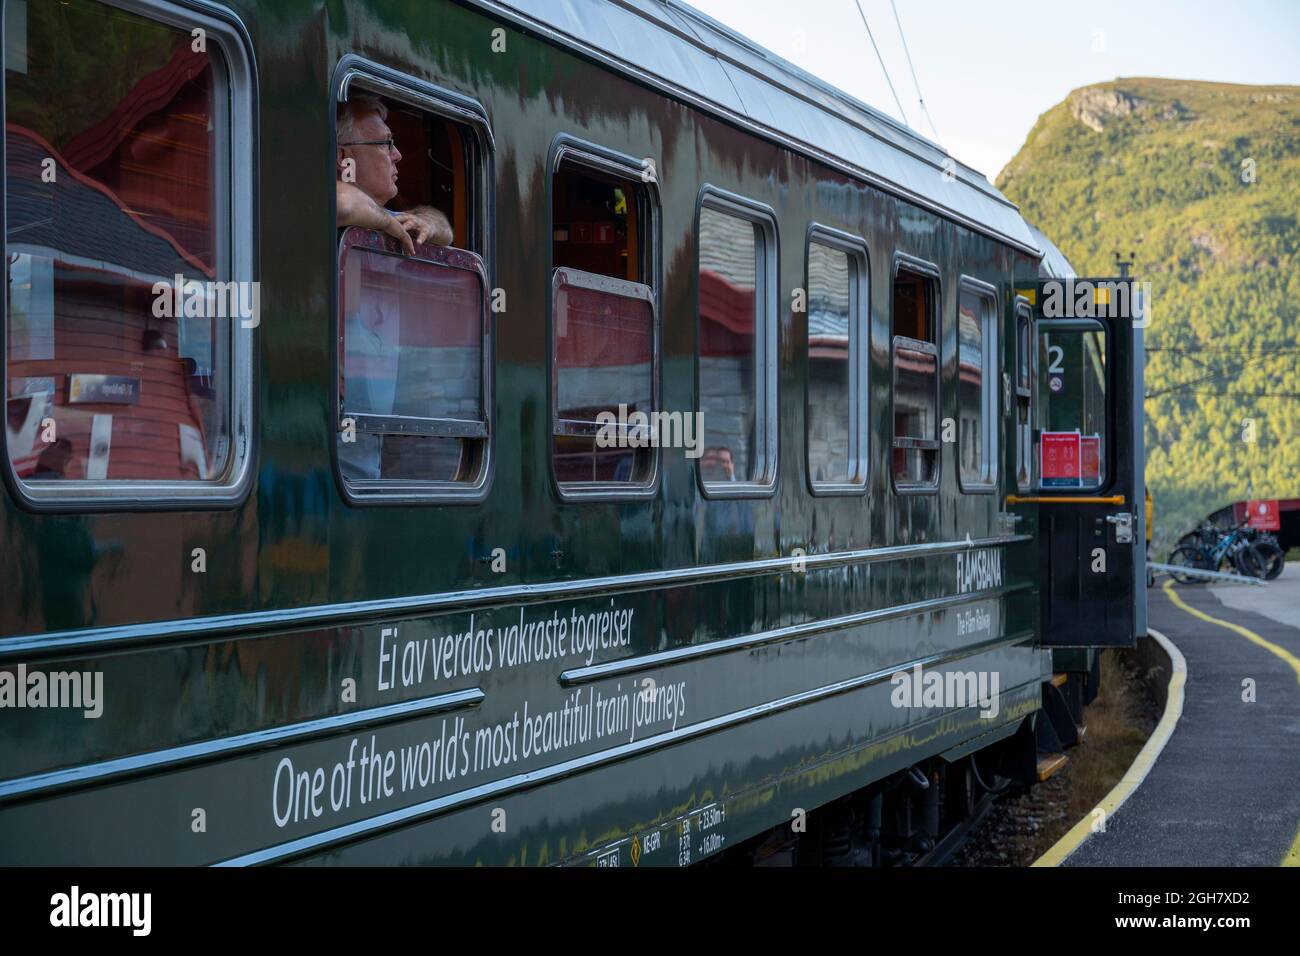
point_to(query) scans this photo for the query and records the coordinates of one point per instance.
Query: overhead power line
(1216, 375)
(919, 98)
(884, 68)
(1275, 350)
(1287, 395)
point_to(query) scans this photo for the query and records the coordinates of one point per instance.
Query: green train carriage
(357, 576)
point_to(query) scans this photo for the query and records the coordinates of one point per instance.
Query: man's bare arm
(355, 208)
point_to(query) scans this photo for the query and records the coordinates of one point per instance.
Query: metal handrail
(1202, 573)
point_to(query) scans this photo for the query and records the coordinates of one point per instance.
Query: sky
(989, 68)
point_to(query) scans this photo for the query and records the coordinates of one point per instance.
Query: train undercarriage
(922, 816)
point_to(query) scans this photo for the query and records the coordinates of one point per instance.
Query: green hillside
(1201, 182)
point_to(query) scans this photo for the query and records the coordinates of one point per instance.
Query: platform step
(1048, 764)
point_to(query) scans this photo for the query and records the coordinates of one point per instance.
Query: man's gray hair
(358, 107)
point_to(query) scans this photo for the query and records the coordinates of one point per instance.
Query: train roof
(1054, 264)
(690, 56)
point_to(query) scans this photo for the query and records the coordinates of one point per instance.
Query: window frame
(1108, 440)
(236, 225)
(379, 80)
(569, 149)
(1025, 393)
(855, 248)
(930, 271)
(766, 291)
(990, 383)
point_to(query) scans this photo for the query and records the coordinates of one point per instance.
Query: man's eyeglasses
(386, 143)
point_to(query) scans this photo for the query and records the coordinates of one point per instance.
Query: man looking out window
(366, 170)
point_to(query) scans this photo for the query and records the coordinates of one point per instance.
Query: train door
(1086, 475)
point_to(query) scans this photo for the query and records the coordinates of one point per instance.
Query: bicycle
(1271, 553)
(1208, 549)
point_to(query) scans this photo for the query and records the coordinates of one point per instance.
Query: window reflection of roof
(727, 247)
(71, 219)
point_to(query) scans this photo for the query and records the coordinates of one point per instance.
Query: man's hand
(393, 226)
(426, 224)
(355, 208)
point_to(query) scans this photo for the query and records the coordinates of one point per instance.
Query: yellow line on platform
(1248, 634)
(1141, 765)
(1292, 857)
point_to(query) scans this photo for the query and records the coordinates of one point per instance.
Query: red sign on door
(1059, 459)
(1264, 515)
(1090, 459)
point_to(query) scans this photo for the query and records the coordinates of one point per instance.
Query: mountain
(1200, 182)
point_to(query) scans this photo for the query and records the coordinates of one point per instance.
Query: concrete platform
(1280, 600)
(1225, 791)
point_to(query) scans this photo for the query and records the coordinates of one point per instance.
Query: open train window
(838, 324)
(736, 246)
(604, 322)
(1073, 415)
(1024, 396)
(915, 362)
(977, 384)
(129, 226)
(414, 326)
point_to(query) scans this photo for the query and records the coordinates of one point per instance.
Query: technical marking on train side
(1141, 765)
(1292, 855)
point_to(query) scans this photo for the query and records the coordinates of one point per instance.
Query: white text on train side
(978, 570)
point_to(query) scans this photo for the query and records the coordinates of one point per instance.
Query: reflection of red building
(726, 318)
(154, 153)
(604, 359)
(130, 206)
(727, 342)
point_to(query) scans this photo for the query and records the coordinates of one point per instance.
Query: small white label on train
(978, 570)
(976, 620)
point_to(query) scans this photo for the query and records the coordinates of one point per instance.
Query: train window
(977, 377)
(736, 242)
(414, 330)
(596, 222)
(412, 398)
(915, 361)
(1072, 411)
(132, 306)
(1024, 397)
(837, 361)
(604, 323)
